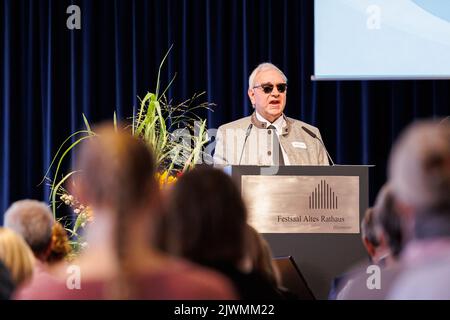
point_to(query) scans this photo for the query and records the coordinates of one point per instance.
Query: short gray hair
(33, 220)
(263, 67)
(419, 167)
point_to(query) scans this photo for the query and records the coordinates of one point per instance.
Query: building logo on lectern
(323, 197)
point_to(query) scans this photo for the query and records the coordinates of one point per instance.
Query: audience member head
(33, 220)
(117, 181)
(419, 171)
(60, 247)
(117, 171)
(369, 236)
(16, 255)
(207, 218)
(259, 257)
(387, 221)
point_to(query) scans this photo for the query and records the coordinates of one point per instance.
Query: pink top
(178, 281)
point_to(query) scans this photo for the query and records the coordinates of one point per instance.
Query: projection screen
(381, 39)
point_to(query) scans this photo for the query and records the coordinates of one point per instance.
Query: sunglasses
(268, 88)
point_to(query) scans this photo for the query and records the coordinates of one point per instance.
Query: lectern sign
(302, 204)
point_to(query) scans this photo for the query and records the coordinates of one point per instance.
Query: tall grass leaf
(64, 155)
(141, 111)
(159, 71)
(86, 123)
(169, 85)
(59, 150)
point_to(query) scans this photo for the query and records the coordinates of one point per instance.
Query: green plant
(175, 134)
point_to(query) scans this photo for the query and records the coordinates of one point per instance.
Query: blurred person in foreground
(382, 238)
(420, 173)
(258, 257)
(207, 223)
(419, 178)
(16, 256)
(117, 181)
(381, 230)
(374, 250)
(34, 221)
(260, 260)
(388, 227)
(370, 239)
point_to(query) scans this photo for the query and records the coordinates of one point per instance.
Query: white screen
(382, 39)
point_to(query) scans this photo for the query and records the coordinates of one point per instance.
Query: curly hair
(60, 247)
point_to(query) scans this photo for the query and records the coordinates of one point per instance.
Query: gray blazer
(300, 147)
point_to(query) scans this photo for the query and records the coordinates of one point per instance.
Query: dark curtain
(50, 75)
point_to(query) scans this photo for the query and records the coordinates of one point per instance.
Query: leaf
(78, 222)
(133, 119)
(169, 85)
(199, 142)
(162, 127)
(59, 150)
(149, 98)
(159, 70)
(86, 123)
(65, 153)
(72, 234)
(141, 111)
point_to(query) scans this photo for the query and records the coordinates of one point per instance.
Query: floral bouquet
(175, 134)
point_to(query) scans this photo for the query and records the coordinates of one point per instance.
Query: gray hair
(419, 167)
(368, 229)
(33, 220)
(263, 67)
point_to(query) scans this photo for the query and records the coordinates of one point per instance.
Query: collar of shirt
(278, 124)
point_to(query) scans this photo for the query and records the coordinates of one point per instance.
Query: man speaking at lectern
(268, 137)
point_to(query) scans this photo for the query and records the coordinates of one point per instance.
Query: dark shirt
(249, 286)
(6, 283)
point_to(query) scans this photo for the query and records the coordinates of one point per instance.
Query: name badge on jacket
(298, 144)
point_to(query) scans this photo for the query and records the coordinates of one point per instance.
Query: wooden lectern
(312, 213)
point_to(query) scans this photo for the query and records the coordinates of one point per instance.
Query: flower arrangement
(175, 134)
(165, 179)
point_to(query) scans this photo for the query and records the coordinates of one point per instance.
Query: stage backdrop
(50, 75)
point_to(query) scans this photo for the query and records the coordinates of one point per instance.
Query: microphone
(249, 129)
(312, 134)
